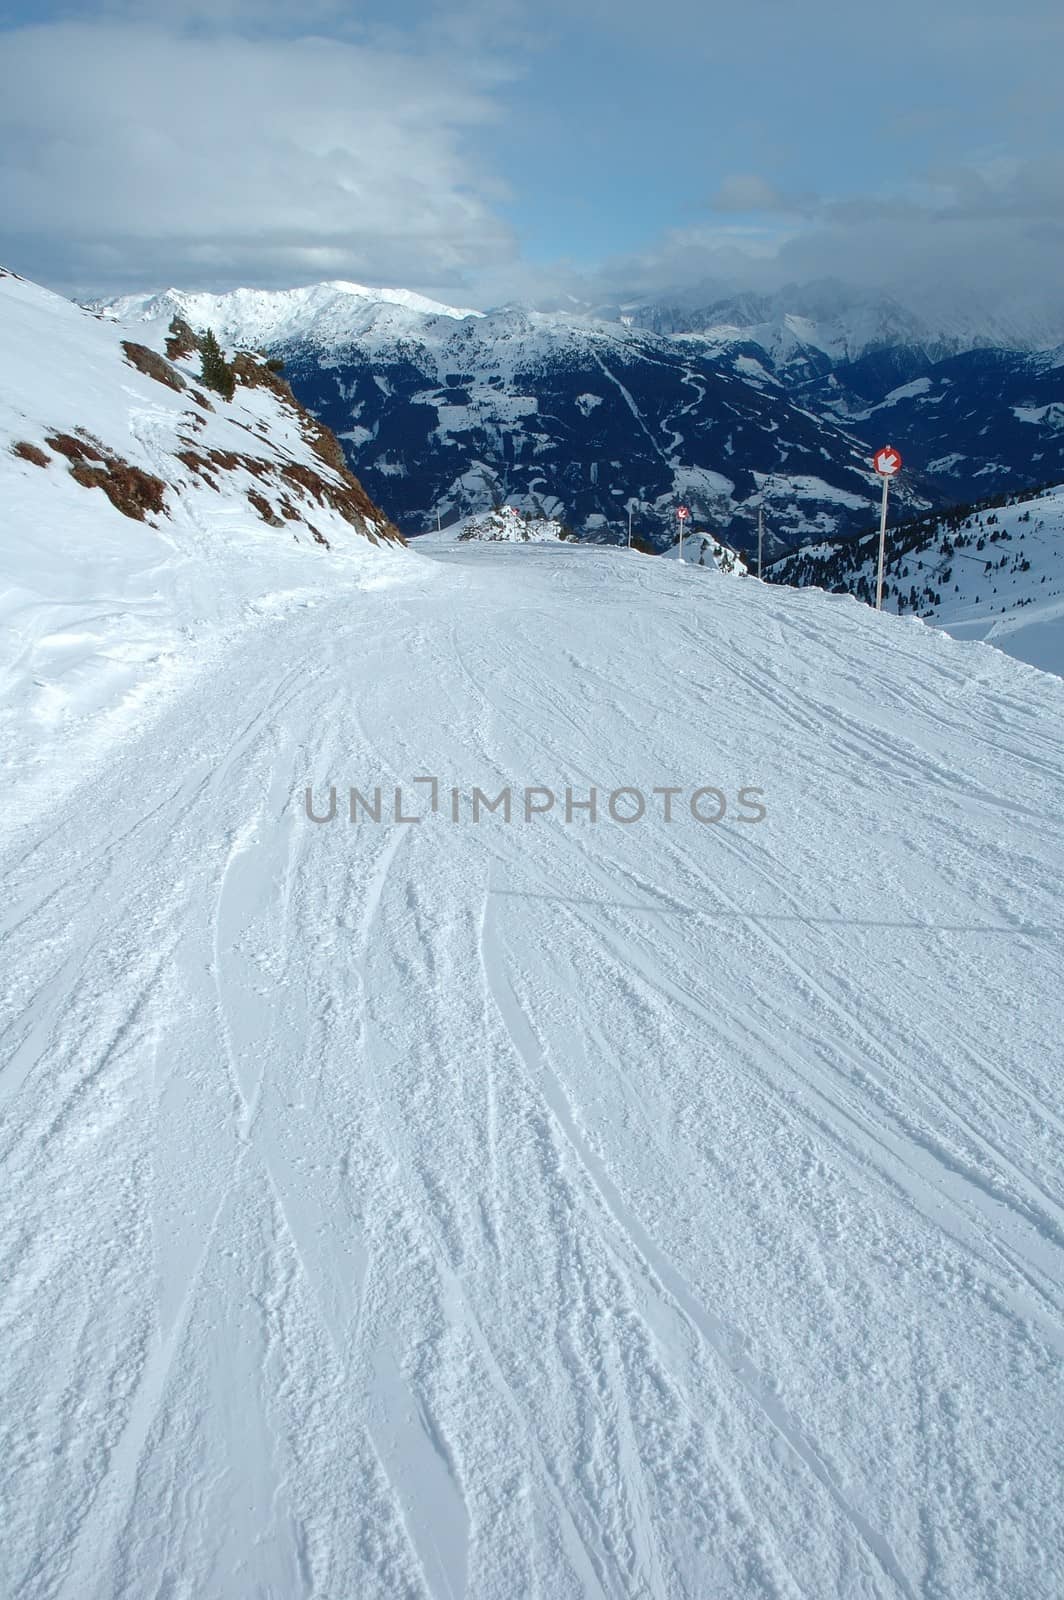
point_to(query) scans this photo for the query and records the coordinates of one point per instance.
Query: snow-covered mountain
(752, 402)
(561, 415)
(324, 315)
(973, 425)
(143, 516)
(993, 571)
(798, 324)
(845, 322)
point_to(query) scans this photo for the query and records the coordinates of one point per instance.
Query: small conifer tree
(216, 373)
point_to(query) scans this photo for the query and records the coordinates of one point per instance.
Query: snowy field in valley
(560, 1209)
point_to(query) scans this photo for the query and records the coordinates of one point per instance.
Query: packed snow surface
(549, 1208)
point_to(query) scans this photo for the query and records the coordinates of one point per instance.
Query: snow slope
(994, 572)
(564, 1210)
(100, 608)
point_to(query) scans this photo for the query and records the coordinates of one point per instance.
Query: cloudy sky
(487, 151)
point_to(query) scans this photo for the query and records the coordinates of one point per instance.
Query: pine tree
(216, 373)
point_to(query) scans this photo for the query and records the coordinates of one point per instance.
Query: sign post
(682, 514)
(760, 536)
(887, 463)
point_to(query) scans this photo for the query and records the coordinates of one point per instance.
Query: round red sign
(887, 461)
(683, 513)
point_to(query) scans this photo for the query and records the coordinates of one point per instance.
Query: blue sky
(489, 151)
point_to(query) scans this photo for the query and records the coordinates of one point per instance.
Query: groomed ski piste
(550, 1207)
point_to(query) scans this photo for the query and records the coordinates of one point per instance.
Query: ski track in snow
(531, 1209)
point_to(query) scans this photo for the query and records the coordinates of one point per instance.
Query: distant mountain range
(846, 322)
(748, 404)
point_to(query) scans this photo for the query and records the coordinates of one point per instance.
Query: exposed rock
(22, 448)
(82, 448)
(182, 341)
(153, 365)
(129, 490)
(264, 509)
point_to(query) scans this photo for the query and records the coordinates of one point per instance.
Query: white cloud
(131, 150)
(209, 142)
(981, 241)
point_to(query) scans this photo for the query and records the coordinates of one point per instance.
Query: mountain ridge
(445, 412)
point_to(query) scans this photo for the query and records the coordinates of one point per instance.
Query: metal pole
(679, 542)
(760, 536)
(629, 524)
(882, 543)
